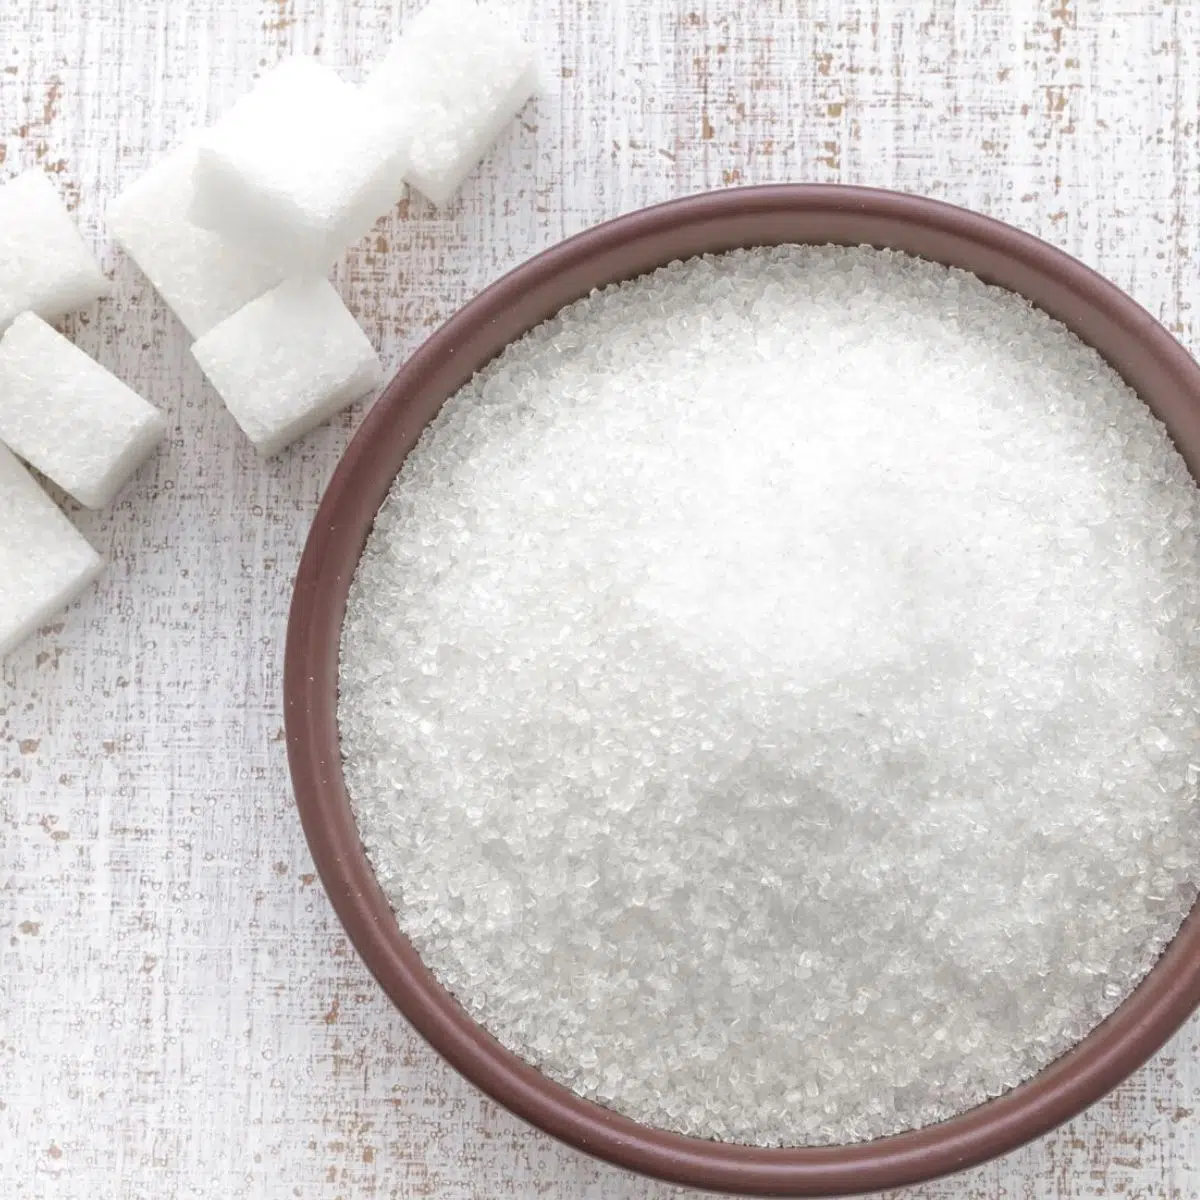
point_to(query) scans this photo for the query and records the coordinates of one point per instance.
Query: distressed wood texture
(180, 1015)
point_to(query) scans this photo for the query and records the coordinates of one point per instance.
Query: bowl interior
(1149, 359)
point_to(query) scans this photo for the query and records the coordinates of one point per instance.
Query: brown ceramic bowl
(1137, 346)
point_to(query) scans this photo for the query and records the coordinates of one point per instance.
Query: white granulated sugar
(288, 361)
(45, 267)
(300, 167)
(769, 695)
(68, 417)
(458, 74)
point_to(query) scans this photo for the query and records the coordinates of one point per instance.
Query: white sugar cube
(44, 265)
(301, 167)
(288, 361)
(44, 562)
(200, 274)
(70, 418)
(459, 73)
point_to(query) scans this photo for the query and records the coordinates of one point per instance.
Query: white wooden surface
(180, 1015)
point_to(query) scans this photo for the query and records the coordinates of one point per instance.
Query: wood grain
(179, 1013)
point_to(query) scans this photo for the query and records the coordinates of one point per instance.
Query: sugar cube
(288, 361)
(301, 167)
(67, 416)
(44, 265)
(44, 562)
(203, 276)
(457, 75)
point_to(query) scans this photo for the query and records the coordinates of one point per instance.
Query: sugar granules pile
(770, 694)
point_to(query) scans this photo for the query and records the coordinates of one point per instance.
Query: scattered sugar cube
(200, 274)
(44, 562)
(44, 265)
(302, 167)
(67, 416)
(458, 74)
(288, 361)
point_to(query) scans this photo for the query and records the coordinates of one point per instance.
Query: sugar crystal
(769, 697)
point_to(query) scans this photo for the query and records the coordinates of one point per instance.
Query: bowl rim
(1166, 376)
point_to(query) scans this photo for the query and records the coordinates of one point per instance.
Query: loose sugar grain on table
(769, 694)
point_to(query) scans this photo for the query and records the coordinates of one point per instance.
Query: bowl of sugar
(742, 689)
